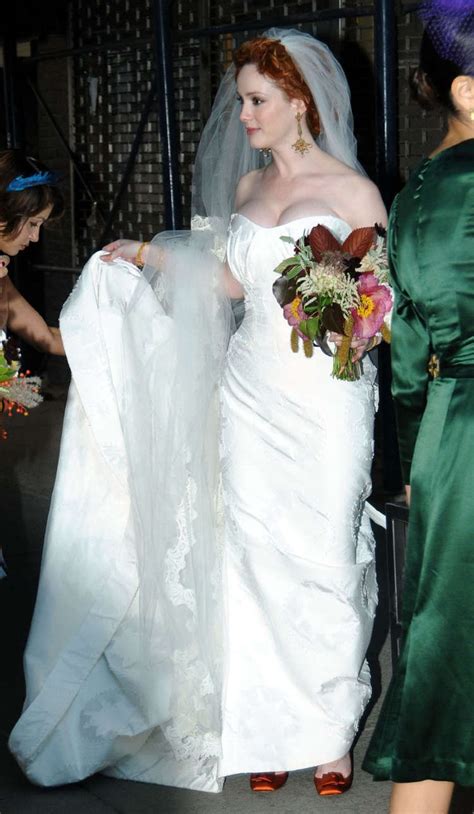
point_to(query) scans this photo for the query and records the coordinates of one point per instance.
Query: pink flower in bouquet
(294, 314)
(375, 303)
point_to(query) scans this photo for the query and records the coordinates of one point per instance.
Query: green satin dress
(426, 726)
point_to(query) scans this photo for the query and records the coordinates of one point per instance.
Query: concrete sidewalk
(27, 473)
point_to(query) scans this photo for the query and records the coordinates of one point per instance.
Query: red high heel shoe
(268, 781)
(333, 783)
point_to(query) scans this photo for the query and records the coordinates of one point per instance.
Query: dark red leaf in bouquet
(322, 240)
(333, 319)
(359, 241)
(284, 290)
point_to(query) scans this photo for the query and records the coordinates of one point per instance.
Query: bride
(206, 611)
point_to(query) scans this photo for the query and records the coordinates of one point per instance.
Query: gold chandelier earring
(300, 146)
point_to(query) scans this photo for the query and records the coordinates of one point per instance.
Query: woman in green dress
(424, 738)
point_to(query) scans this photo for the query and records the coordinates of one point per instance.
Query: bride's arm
(152, 255)
(364, 205)
(232, 288)
(134, 251)
(244, 190)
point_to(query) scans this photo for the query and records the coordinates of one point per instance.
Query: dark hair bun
(422, 90)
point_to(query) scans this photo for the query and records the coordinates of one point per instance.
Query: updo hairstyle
(431, 81)
(271, 59)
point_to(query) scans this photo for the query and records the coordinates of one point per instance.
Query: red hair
(272, 59)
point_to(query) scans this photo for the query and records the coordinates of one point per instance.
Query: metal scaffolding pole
(129, 167)
(9, 59)
(386, 98)
(165, 87)
(388, 180)
(67, 147)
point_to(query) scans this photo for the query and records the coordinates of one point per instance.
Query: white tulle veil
(224, 154)
(173, 448)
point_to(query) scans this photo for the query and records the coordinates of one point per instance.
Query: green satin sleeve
(410, 353)
(431, 231)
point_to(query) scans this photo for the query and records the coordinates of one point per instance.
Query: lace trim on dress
(175, 560)
(200, 224)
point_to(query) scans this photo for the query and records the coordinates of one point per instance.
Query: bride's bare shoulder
(356, 198)
(364, 201)
(245, 188)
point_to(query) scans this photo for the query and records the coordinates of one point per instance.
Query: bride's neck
(287, 164)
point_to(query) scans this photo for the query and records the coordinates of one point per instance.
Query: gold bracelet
(139, 261)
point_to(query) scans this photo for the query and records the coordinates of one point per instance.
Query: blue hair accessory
(46, 178)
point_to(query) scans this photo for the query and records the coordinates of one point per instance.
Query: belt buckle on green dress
(433, 366)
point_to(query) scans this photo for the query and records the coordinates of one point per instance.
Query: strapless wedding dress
(300, 586)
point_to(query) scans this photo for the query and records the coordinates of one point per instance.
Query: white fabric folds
(121, 679)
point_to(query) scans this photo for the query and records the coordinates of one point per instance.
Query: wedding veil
(224, 154)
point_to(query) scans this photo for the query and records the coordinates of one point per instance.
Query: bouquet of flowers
(18, 392)
(340, 287)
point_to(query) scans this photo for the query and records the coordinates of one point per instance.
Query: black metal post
(387, 179)
(72, 156)
(9, 59)
(143, 43)
(165, 88)
(129, 165)
(276, 22)
(386, 98)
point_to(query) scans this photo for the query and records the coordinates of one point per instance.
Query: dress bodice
(260, 349)
(253, 251)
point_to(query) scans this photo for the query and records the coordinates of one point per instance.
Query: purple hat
(450, 27)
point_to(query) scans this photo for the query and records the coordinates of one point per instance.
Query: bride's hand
(126, 249)
(359, 346)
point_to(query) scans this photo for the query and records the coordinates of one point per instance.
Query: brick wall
(104, 92)
(110, 90)
(419, 131)
(123, 80)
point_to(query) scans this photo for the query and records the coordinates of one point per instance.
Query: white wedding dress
(298, 555)
(300, 585)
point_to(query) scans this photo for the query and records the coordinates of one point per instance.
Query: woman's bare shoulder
(245, 188)
(362, 200)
